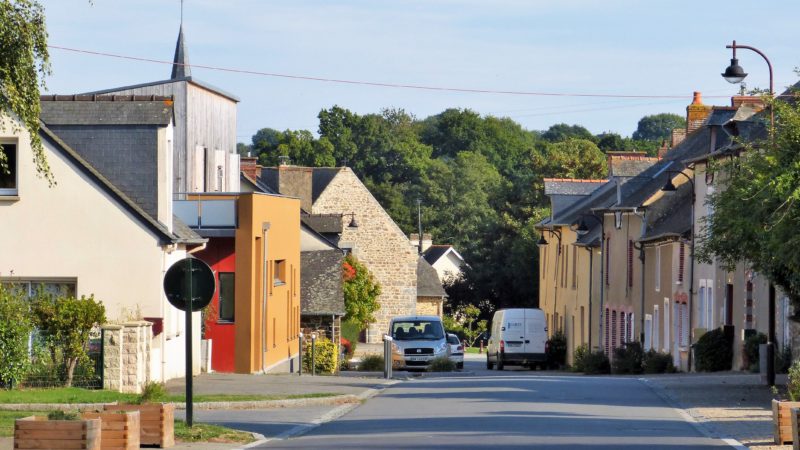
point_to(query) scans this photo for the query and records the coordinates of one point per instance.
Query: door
(535, 335)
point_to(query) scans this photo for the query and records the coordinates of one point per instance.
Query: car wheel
(499, 363)
(489, 365)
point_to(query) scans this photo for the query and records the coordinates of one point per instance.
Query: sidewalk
(729, 405)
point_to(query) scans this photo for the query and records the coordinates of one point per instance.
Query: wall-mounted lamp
(543, 242)
(353, 224)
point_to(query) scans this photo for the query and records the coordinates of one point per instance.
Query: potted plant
(781, 410)
(120, 429)
(156, 419)
(58, 429)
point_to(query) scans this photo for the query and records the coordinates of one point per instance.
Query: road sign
(189, 277)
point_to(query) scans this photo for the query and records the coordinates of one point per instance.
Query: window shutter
(608, 258)
(630, 263)
(614, 330)
(680, 262)
(607, 333)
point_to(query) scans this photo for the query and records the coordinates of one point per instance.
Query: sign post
(189, 285)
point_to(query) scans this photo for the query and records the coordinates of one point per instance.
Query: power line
(373, 83)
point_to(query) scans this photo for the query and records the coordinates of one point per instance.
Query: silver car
(417, 340)
(456, 350)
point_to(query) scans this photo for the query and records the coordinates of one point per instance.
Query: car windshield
(417, 330)
(452, 339)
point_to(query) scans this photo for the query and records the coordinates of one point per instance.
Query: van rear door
(514, 333)
(534, 333)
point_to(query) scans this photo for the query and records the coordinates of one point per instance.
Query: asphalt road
(513, 409)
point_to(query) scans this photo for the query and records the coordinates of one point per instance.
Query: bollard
(480, 349)
(300, 370)
(387, 356)
(313, 354)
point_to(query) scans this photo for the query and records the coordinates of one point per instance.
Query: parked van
(417, 340)
(518, 337)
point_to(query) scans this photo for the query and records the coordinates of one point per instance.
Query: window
(226, 297)
(648, 332)
(199, 172)
(8, 171)
(710, 304)
(30, 287)
(279, 272)
(656, 324)
(701, 306)
(666, 324)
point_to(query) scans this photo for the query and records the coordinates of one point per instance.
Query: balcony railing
(207, 213)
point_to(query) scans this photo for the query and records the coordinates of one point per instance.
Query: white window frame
(656, 326)
(12, 192)
(658, 269)
(701, 305)
(648, 331)
(710, 305)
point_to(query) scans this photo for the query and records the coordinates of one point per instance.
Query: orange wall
(282, 216)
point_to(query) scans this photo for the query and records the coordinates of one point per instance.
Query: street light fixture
(735, 74)
(353, 224)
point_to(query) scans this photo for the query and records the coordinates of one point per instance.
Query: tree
(299, 146)
(755, 211)
(361, 292)
(23, 66)
(64, 322)
(576, 158)
(561, 132)
(658, 126)
(15, 328)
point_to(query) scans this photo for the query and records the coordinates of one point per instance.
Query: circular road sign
(189, 278)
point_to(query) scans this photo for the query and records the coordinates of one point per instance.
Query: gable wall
(377, 242)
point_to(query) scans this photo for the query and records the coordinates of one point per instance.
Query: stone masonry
(377, 242)
(126, 356)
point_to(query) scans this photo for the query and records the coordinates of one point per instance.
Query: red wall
(219, 254)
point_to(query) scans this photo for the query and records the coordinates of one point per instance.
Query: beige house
(85, 235)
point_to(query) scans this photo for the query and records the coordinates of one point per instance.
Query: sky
(565, 47)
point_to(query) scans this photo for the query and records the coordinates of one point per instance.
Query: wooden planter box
(782, 421)
(36, 432)
(156, 420)
(120, 429)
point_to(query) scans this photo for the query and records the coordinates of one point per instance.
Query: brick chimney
(297, 182)
(249, 166)
(696, 113)
(678, 135)
(663, 149)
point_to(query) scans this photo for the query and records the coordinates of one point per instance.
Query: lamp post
(669, 187)
(735, 74)
(582, 229)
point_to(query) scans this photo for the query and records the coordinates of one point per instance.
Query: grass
(206, 432)
(474, 350)
(7, 420)
(77, 395)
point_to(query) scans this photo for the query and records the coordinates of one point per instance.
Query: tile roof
(428, 284)
(321, 291)
(106, 110)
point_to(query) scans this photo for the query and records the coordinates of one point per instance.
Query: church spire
(180, 66)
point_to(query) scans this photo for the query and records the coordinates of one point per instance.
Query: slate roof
(428, 284)
(184, 233)
(323, 223)
(628, 164)
(140, 215)
(568, 186)
(106, 110)
(670, 215)
(321, 291)
(434, 252)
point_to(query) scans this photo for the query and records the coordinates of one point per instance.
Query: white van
(519, 337)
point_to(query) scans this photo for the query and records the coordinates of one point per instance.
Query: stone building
(339, 200)
(430, 293)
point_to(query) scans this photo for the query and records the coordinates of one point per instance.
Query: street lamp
(581, 229)
(669, 187)
(735, 74)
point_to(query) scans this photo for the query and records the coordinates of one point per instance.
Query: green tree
(576, 158)
(756, 209)
(658, 126)
(361, 292)
(612, 142)
(65, 322)
(23, 66)
(299, 146)
(15, 328)
(561, 132)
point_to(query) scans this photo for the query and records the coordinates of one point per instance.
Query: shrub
(350, 331)
(657, 362)
(152, 391)
(62, 415)
(751, 346)
(371, 363)
(578, 357)
(361, 291)
(793, 384)
(713, 352)
(441, 364)
(15, 327)
(326, 356)
(628, 358)
(557, 350)
(596, 363)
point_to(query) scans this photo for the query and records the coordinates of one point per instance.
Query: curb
(253, 404)
(334, 414)
(699, 423)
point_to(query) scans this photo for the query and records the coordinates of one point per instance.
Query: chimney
(297, 182)
(678, 135)
(696, 113)
(427, 241)
(247, 164)
(756, 102)
(663, 149)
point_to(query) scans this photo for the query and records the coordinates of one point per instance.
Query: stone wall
(429, 306)
(126, 356)
(378, 243)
